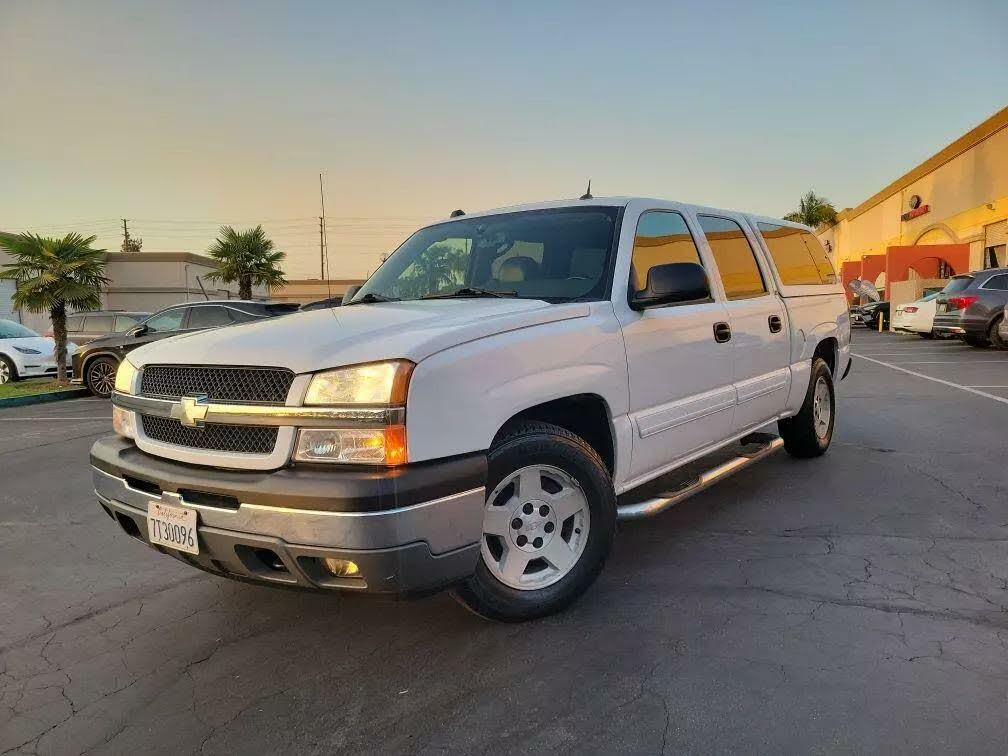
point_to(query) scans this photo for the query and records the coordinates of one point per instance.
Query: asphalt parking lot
(858, 602)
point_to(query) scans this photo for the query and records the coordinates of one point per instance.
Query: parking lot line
(949, 362)
(970, 389)
(54, 417)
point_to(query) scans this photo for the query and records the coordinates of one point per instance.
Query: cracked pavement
(852, 603)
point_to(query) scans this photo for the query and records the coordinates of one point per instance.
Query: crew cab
(482, 411)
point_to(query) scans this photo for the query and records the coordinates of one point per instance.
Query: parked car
(25, 354)
(916, 317)
(83, 327)
(474, 428)
(1002, 331)
(972, 307)
(96, 362)
(868, 314)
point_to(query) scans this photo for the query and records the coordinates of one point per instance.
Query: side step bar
(768, 444)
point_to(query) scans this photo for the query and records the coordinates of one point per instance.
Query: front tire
(548, 524)
(8, 371)
(808, 434)
(99, 376)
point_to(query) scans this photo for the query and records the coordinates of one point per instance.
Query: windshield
(11, 330)
(556, 255)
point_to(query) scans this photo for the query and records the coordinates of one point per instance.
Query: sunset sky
(185, 116)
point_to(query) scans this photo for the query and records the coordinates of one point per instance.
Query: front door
(758, 320)
(681, 392)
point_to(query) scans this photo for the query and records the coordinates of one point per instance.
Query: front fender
(460, 397)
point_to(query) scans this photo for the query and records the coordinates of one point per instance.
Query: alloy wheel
(822, 408)
(535, 527)
(101, 376)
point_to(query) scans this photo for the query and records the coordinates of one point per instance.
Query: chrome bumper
(411, 549)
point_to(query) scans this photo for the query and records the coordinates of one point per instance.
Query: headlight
(375, 383)
(125, 377)
(124, 422)
(375, 446)
(27, 350)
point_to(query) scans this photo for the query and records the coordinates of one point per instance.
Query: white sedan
(916, 317)
(25, 354)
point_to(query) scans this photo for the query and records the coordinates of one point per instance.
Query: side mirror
(139, 330)
(349, 293)
(672, 283)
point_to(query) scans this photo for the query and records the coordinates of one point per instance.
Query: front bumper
(411, 529)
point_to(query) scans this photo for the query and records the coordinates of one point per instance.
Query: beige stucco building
(947, 215)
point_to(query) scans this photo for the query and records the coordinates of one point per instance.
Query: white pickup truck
(486, 407)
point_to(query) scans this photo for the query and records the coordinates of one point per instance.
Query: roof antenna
(587, 195)
(456, 213)
(325, 240)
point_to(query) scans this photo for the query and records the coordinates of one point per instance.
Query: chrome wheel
(535, 527)
(822, 408)
(101, 377)
(5, 372)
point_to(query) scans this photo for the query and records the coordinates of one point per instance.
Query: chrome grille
(248, 385)
(247, 439)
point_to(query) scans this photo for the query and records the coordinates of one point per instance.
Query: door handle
(722, 332)
(775, 324)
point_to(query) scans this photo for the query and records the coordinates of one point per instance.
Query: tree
(813, 211)
(131, 244)
(247, 257)
(52, 274)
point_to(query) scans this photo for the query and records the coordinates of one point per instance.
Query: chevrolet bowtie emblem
(191, 410)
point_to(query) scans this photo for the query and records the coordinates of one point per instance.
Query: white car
(469, 416)
(916, 317)
(25, 354)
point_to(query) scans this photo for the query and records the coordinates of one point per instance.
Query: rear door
(680, 376)
(758, 320)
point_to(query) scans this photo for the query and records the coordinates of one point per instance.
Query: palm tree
(813, 211)
(248, 258)
(52, 274)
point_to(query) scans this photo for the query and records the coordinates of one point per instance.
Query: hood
(318, 339)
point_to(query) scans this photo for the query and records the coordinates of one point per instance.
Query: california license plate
(174, 527)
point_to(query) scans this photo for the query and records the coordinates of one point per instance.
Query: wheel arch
(828, 349)
(586, 415)
(89, 358)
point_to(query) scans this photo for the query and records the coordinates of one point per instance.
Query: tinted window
(957, 284)
(124, 322)
(170, 320)
(791, 255)
(557, 255)
(98, 324)
(74, 323)
(999, 282)
(736, 262)
(820, 256)
(208, 317)
(662, 237)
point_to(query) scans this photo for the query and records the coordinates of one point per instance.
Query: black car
(972, 306)
(868, 314)
(95, 363)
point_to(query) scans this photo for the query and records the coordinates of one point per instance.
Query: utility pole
(321, 248)
(125, 234)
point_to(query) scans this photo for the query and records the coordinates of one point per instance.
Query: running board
(768, 444)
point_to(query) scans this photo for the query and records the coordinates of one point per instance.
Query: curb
(49, 396)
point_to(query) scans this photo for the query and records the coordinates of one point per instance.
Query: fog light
(124, 422)
(341, 567)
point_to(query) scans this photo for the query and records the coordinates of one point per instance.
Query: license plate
(174, 527)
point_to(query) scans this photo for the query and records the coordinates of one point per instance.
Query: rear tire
(99, 376)
(542, 547)
(995, 338)
(808, 434)
(976, 341)
(8, 372)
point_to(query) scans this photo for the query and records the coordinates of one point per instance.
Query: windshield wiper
(372, 298)
(471, 291)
